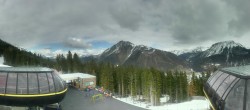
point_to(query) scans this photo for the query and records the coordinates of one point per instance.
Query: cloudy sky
(90, 26)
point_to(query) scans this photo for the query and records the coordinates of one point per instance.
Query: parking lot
(79, 100)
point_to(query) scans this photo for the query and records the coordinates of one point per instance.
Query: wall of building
(88, 82)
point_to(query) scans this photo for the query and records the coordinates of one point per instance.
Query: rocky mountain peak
(221, 47)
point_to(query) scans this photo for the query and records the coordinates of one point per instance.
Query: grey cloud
(193, 21)
(127, 17)
(189, 22)
(240, 24)
(76, 43)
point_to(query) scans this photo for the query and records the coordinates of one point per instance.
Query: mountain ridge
(127, 53)
(226, 53)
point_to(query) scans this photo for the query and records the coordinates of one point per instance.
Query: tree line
(150, 84)
(19, 57)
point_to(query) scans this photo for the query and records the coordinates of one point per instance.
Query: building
(229, 89)
(80, 80)
(30, 86)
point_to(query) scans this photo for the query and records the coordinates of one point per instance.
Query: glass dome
(30, 86)
(229, 88)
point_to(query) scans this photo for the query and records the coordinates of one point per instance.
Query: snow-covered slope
(179, 52)
(194, 104)
(2, 61)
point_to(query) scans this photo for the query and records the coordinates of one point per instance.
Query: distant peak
(219, 47)
(124, 43)
(228, 44)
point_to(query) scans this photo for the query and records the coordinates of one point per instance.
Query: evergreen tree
(192, 89)
(70, 62)
(76, 63)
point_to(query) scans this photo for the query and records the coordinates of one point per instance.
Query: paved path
(77, 100)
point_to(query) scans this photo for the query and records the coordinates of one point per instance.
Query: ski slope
(2, 61)
(189, 105)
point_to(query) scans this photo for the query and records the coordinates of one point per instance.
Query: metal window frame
(228, 84)
(27, 83)
(245, 95)
(216, 80)
(47, 81)
(211, 77)
(6, 82)
(52, 74)
(221, 82)
(16, 82)
(38, 85)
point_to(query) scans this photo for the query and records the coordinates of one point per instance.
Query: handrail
(211, 105)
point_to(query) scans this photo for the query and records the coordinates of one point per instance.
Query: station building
(229, 89)
(80, 80)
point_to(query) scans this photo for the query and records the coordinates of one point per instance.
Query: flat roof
(71, 76)
(25, 69)
(239, 70)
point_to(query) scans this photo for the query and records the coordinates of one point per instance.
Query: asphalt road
(78, 100)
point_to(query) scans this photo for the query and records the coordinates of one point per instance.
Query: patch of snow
(189, 105)
(106, 50)
(2, 61)
(164, 99)
(179, 52)
(152, 51)
(131, 52)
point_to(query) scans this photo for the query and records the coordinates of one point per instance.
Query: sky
(91, 26)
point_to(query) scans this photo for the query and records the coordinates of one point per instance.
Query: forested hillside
(150, 84)
(18, 57)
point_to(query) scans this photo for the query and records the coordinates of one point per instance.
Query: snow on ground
(189, 105)
(1, 62)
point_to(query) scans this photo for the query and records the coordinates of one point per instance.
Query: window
(229, 88)
(2, 82)
(58, 83)
(248, 95)
(11, 84)
(211, 77)
(43, 83)
(51, 82)
(234, 100)
(89, 83)
(216, 76)
(22, 83)
(226, 83)
(219, 81)
(33, 84)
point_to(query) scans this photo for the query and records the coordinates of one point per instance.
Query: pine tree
(70, 62)
(76, 63)
(192, 89)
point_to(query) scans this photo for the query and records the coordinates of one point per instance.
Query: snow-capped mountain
(227, 53)
(126, 53)
(189, 55)
(221, 47)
